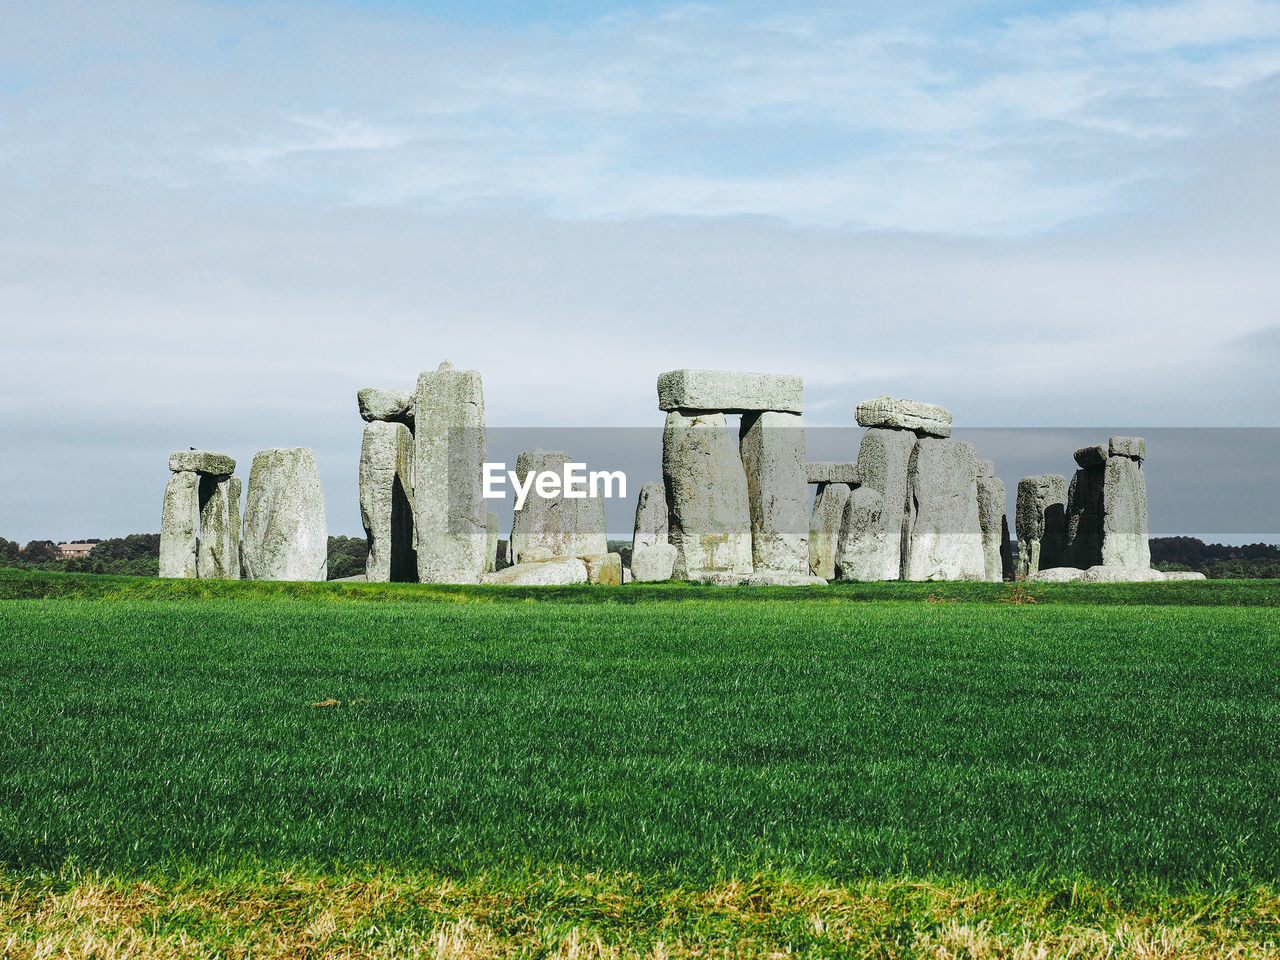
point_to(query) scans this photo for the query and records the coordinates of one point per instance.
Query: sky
(220, 218)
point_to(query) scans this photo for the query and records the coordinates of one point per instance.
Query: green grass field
(1108, 752)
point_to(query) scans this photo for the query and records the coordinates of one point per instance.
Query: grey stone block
(202, 461)
(394, 406)
(651, 516)
(729, 391)
(830, 471)
(945, 539)
(773, 456)
(927, 419)
(285, 535)
(386, 502)
(1135, 448)
(563, 526)
(180, 525)
(653, 562)
(824, 527)
(862, 548)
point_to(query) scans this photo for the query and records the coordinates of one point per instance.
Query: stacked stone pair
(1106, 520)
(922, 509)
(737, 505)
(200, 519)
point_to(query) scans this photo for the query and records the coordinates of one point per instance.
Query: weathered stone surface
(1135, 448)
(285, 535)
(782, 578)
(202, 461)
(1006, 550)
(824, 527)
(386, 502)
(927, 419)
(179, 525)
(394, 406)
(986, 468)
(653, 563)
(565, 526)
(450, 514)
(1040, 522)
(561, 571)
(626, 575)
(861, 546)
(1058, 575)
(504, 554)
(604, 569)
(1095, 456)
(709, 516)
(219, 553)
(729, 392)
(1183, 575)
(831, 471)
(491, 543)
(995, 528)
(773, 456)
(945, 532)
(235, 522)
(1119, 573)
(883, 461)
(1124, 514)
(651, 516)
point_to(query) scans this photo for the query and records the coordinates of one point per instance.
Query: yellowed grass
(590, 917)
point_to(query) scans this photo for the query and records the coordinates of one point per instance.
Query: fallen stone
(561, 571)
(651, 516)
(1058, 575)
(1135, 448)
(604, 569)
(1095, 456)
(709, 509)
(884, 458)
(285, 535)
(386, 502)
(450, 513)
(392, 406)
(773, 455)
(723, 578)
(218, 556)
(653, 563)
(566, 527)
(1124, 514)
(780, 578)
(202, 461)
(179, 525)
(726, 391)
(1119, 573)
(1040, 522)
(861, 547)
(945, 532)
(927, 419)
(824, 527)
(1183, 575)
(995, 528)
(830, 471)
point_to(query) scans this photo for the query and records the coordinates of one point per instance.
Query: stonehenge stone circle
(773, 455)
(995, 529)
(285, 535)
(1040, 522)
(945, 533)
(824, 527)
(1124, 506)
(386, 502)
(450, 517)
(394, 406)
(709, 513)
(884, 458)
(926, 419)
(202, 461)
(564, 526)
(826, 471)
(725, 391)
(860, 548)
(179, 525)
(651, 516)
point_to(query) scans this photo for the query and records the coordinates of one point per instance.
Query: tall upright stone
(772, 445)
(219, 553)
(709, 513)
(884, 459)
(1041, 524)
(995, 528)
(945, 531)
(860, 549)
(235, 522)
(1084, 508)
(285, 533)
(493, 532)
(1124, 505)
(824, 527)
(448, 500)
(180, 525)
(386, 502)
(651, 516)
(556, 525)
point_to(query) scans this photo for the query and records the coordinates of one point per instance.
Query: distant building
(75, 549)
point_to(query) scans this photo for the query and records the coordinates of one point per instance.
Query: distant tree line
(1215, 560)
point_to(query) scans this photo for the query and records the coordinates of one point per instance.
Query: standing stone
(386, 502)
(450, 517)
(726, 391)
(995, 527)
(1084, 508)
(773, 456)
(234, 522)
(883, 461)
(1041, 523)
(285, 535)
(945, 530)
(860, 547)
(563, 526)
(651, 516)
(1124, 506)
(709, 514)
(179, 523)
(824, 527)
(491, 543)
(219, 553)
(926, 419)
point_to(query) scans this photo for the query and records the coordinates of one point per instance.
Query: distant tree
(40, 552)
(347, 556)
(10, 552)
